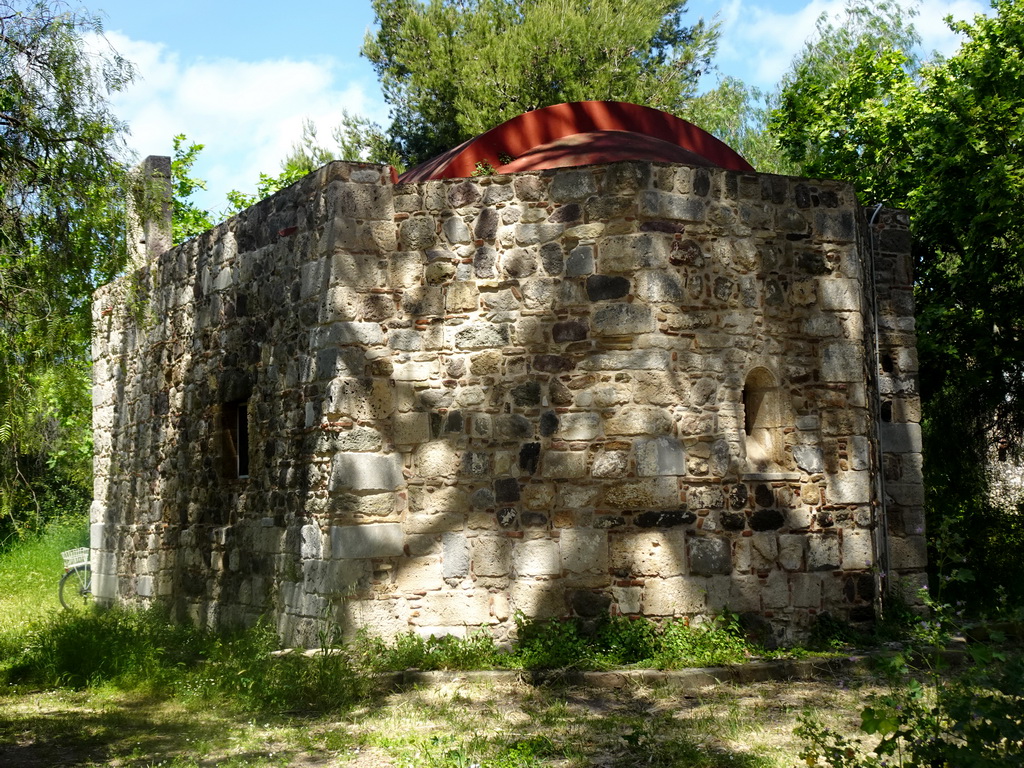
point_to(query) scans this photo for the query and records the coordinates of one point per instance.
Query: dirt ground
(457, 724)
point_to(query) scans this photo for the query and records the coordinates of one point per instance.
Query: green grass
(143, 651)
(132, 687)
(30, 571)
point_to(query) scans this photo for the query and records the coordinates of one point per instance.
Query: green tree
(451, 69)
(187, 219)
(61, 235)
(356, 139)
(946, 141)
(739, 115)
(843, 105)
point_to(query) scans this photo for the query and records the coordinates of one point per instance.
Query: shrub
(550, 644)
(412, 651)
(712, 644)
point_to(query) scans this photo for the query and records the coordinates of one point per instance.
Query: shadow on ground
(449, 725)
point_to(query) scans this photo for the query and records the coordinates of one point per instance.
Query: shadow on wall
(571, 392)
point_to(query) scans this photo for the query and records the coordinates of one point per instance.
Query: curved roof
(581, 133)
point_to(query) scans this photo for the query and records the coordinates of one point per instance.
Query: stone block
(580, 261)
(418, 574)
(719, 592)
(652, 493)
(462, 297)
(859, 450)
(624, 254)
(809, 458)
(900, 438)
(500, 607)
(839, 294)
(791, 551)
(657, 286)
(610, 464)
(651, 553)
(807, 590)
(144, 586)
(97, 531)
(436, 459)
(909, 552)
(910, 586)
(331, 577)
(907, 494)
(375, 540)
(623, 320)
(455, 557)
(660, 456)
(639, 420)
(710, 556)
(418, 233)
(666, 205)
(857, 550)
(537, 557)
(405, 340)
(452, 609)
(583, 550)
(705, 497)
(760, 552)
(835, 224)
(744, 593)
(822, 552)
(312, 542)
(627, 599)
(411, 428)
(639, 359)
(842, 361)
(606, 287)
(673, 596)
(366, 472)
(415, 370)
(492, 555)
(572, 186)
(455, 230)
(480, 335)
(557, 464)
(579, 426)
(775, 590)
(342, 334)
(853, 487)
(538, 599)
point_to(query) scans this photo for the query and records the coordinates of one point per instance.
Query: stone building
(637, 387)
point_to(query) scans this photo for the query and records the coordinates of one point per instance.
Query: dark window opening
(887, 411)
(887, 364)
(235, 428)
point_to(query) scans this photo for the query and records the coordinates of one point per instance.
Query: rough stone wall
(636, 388)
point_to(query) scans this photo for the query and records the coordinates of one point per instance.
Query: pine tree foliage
(451, 69)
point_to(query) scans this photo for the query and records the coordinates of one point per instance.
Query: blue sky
(241, 77)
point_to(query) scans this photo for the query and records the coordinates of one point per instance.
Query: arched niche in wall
(765, 415)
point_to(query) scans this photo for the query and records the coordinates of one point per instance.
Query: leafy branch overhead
(944, 140)
(61, 236)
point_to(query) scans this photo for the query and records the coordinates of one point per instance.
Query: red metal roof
(581, 133)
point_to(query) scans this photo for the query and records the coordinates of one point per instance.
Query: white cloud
(247, 114)
(759, 43)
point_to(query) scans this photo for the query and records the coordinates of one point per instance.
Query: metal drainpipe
(881, 529)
